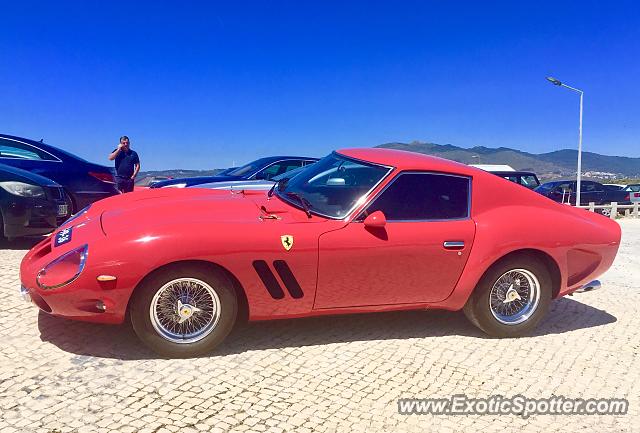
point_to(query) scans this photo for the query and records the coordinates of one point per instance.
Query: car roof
(55, 151)
(513, 173)
(269, 159)
(404, 160)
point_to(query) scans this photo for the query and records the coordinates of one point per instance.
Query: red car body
(338, 266)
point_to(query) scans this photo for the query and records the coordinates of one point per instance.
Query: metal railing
(614, 209)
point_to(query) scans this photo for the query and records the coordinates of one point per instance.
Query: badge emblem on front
(287, 241)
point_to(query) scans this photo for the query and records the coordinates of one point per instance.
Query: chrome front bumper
(24, 294)
(593, 285)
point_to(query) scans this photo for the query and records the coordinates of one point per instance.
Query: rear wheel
(184, 311)
(511, 298)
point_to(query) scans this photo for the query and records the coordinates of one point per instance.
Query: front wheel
(511, 298)
(184, 312)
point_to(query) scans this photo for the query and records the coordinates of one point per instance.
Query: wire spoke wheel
(185, 310)
(514, 296)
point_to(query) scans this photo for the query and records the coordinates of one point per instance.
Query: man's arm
(136, 169)
(115, 153)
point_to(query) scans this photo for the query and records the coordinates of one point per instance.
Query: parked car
(527, 179)
(260, 169)
(147, 181)
(564, 191)
(29, 204)
(634, 192)
(614, 186)
(251, 185)
(361, 230)
(84, 182)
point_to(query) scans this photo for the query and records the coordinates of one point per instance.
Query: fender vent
(268, 279)
(288, 279)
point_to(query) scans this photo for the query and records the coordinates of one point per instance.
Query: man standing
(127, 165)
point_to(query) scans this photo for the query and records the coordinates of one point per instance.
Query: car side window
(423, 196)
(563, 187)
(10, 149)
(590, 187)
(280, 168)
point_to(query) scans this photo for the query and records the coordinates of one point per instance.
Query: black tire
(143, 297)
(478, 310)
(2, 238)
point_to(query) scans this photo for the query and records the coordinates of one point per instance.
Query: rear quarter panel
(510, 217)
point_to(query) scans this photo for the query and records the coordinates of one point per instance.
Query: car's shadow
(20, 243)
(120, 342)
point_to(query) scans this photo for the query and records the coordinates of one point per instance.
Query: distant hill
(561, 163)
(547, 165)
(174, 173)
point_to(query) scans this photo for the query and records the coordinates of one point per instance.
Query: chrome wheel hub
(185, 310)
(511, 295)
(514, 296)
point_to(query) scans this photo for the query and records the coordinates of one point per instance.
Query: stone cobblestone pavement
(329, 374)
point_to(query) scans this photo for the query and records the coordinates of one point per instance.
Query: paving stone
(333, 374)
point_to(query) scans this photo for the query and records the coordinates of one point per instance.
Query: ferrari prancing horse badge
(287, 241)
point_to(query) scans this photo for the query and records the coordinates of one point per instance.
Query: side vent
(288, 279)
(268, 279)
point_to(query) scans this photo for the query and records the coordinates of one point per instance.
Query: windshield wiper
(303, 201)
(279, 184)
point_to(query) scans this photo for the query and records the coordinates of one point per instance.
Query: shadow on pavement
(20, 243)
(120, 342)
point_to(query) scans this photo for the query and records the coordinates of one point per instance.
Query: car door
(418, 256)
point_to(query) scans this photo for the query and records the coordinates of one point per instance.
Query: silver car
(255, 185)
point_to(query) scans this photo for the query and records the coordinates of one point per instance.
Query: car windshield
(545, 187)
(333, 186)
(529, 181)
(288, 174)
(240, 171)
(633, 188)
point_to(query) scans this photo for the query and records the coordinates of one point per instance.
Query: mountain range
(561, 163)
(551, 165)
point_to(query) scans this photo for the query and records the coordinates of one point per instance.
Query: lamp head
(555, 81)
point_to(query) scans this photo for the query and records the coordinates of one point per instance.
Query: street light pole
(579, 174)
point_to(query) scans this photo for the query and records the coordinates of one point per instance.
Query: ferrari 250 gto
(362, 230)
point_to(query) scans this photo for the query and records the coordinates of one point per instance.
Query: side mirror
(375, 220)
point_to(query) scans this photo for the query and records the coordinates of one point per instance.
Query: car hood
(153, 210)
(237, 185)
(194, 180)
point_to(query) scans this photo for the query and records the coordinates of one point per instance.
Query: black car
(260, 169)
(527, 179)
(564, 191)
(83, 181)
(29, 204)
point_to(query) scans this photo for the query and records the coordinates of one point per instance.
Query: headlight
(63, 270)
(175, 185)
(22, 189)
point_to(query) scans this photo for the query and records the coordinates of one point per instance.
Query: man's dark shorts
(124, 184)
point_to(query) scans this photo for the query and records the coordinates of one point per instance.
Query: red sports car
(361, 230)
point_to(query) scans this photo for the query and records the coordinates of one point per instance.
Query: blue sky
(205, 84)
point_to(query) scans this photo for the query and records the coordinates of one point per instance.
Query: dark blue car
(260, 169)
(83, 181)
(29, 204)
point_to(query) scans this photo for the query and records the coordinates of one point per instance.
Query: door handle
(453, 245)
